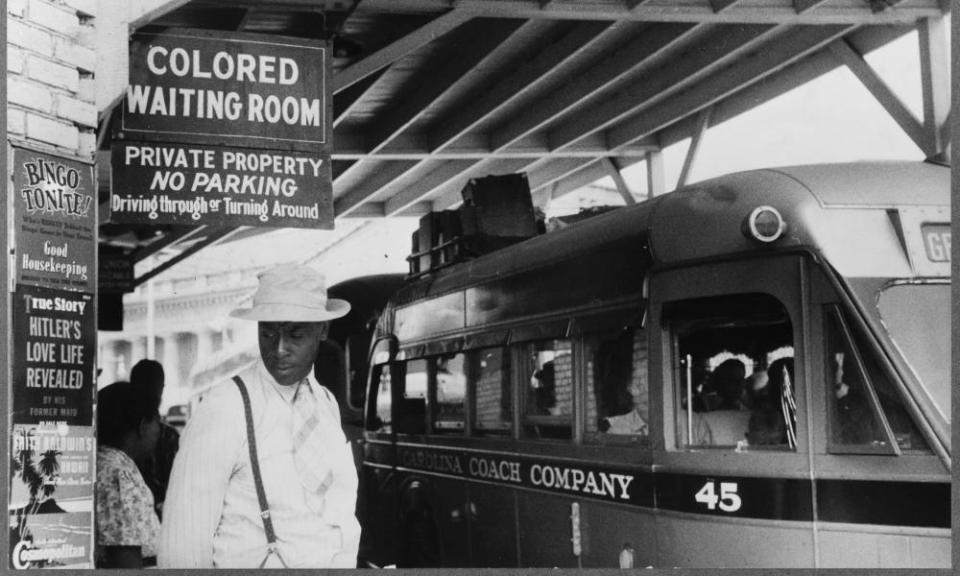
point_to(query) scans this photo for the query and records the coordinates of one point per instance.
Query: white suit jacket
(211, 518)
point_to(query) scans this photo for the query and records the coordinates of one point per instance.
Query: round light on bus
(765, 224)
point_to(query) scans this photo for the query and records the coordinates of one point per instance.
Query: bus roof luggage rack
(497, 211)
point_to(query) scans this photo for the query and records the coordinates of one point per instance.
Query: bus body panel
(587, 499)
(686, 541)
(845, 546)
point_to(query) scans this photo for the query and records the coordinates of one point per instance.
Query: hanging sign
(55, 221)
(224, 129)
(193, 184)
(115, 273)
(227, 86)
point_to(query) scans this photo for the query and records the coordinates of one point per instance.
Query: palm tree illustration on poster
(51, 504)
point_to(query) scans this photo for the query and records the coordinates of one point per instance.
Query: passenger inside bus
(773, 421)
(853, 409)
(549, 400)
(728, 422)
(719, 341)
(620, 384)
(543, 388)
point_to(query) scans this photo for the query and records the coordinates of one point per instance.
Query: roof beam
(476, 146)
(935, 82)
(149, 16)
(385, 174)
(346, 101)
(214, 236)
(703, 123)
(781, 82)
(790, 47)
(400, 48)
(550, 171)
(635, 56)
(721, 5)
(432, 81)
(656, 178)
(521, 81)
(745, 13)
(451, 175)
(168, 239)
(583, 177)
(479, 48)
(451, 134)
(722, 47)
(614, 172)
(895, 107)
(802, 6)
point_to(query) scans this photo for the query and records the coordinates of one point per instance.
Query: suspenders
(255, 464)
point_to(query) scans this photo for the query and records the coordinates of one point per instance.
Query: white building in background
(195, 339)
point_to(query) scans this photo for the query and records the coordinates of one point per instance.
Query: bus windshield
(918, 319)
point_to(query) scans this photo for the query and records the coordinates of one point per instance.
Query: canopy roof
(429, 93)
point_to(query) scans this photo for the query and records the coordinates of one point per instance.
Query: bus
(750, 371)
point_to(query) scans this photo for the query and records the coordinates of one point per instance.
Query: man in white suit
(212, 516)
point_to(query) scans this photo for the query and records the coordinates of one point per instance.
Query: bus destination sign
(936, 241)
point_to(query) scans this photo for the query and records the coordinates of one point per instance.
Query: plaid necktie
(310, 453)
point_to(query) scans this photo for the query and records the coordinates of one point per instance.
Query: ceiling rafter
(802, 6)
(789, 48)
(703, 11)
(347, 100)
(386, 173)
(586, 175)
(776, 84)
(724, 46)
(629, 59)
(492, 166)
(453, 173)
(934, 82)
(547, 62)
(721, 5)
(483, 49)
(435, 78)
(399, 48)
(618, 68)
(476, 146)
(703, 123)
(880, 90)
(613, 170)
(548, 172)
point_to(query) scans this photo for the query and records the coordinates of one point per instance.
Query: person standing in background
(127, 525)
(148, 378)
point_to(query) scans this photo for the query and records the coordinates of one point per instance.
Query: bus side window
(548, 370)
(618, 397)
(383, 395)
(451, 389)
(735, 381)
(863, 402)
(489, 371)
(410, 412)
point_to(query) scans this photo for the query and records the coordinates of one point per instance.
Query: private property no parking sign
(224, 129)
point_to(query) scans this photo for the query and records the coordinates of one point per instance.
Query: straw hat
(291, 293)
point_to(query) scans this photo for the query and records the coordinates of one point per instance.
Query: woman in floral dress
(128, 424)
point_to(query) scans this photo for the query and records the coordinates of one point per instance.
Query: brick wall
(51, 59)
